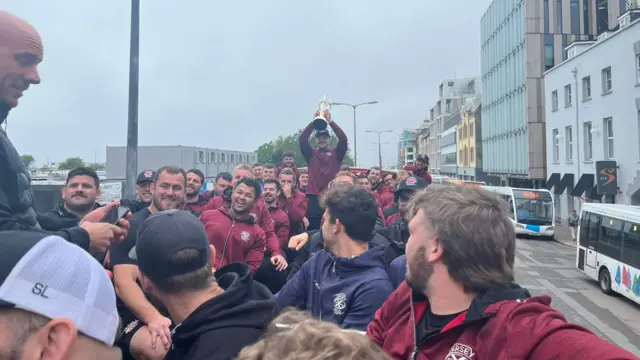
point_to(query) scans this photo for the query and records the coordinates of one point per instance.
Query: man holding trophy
(323, 162)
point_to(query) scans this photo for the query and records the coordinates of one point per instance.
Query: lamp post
(355, 143)
(379, 144)
(132, 127)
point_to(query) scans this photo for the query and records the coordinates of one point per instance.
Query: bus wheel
(605, 280)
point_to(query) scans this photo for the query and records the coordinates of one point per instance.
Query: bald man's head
(20, 53)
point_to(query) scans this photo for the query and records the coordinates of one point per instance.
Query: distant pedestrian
(573, 224)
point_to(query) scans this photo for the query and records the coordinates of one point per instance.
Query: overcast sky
(236, 74)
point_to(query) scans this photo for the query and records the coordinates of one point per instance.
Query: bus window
(610, 242)
(594, 229)
(631, 247)
(510, 203)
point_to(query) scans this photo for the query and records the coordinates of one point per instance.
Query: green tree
(96, 166)
(272, 151)
(71, 163)
(27, 160)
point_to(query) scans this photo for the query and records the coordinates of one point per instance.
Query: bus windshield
(533, 207)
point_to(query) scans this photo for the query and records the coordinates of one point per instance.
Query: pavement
(549, 268)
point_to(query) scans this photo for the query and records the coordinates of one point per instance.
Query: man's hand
(101, 235)
(287, 190)
(305, 222)
(279, 262)
(159, 328)
(297, 242)
(120, 231)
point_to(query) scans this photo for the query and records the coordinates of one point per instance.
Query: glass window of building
(546, 16)
(549, 59)
(575, 16)
(602, 16)
(559, 16)
(586, 5)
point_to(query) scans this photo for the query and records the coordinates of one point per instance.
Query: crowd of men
(383, 266)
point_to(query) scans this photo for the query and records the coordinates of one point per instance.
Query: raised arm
(305, 146)
(343, 143)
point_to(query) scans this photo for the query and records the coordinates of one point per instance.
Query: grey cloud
(236, 74)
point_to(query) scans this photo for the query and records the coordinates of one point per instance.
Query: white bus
(609, 247)
(531, 210)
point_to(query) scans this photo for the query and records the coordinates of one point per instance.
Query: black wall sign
(607, 177)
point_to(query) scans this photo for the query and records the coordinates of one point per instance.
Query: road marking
(617, 337)
(534, 273)
(543, 288)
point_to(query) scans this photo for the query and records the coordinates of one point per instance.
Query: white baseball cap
(46, 275)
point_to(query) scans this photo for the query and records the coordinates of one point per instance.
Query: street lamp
(379, 145)
(355, 143)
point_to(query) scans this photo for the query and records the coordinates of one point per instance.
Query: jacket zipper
(415, 331)
(333, 270)
(224, 249)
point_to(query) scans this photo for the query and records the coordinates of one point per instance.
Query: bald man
(20, 53)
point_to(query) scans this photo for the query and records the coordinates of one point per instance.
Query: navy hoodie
(345, 291)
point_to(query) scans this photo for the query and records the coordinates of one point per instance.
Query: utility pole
(355, 136)
(379, 144)
(132, 128)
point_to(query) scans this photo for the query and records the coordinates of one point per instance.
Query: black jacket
(222, 326)
(396, 235)
(16, 197)
(134, 205)
(59, 218)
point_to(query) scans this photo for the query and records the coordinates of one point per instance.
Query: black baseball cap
(324, 132)
(412, 183)
(147, 176)
(162, 235)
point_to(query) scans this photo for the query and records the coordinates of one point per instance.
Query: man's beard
(81, 208)
(4, 112)
(157, 203)
(418, 270)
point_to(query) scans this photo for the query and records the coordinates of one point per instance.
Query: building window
(608, 137)
(638, 69)
(410, 149)
(602, 16)
(223, 158)
(556, 145)
(548, 57)
(567, 95)
(606, 80)
(568, 140)
(447, 107)
(559, 16)
(546, 16)
(586, 88)
(586, 18)
(201, 157)
(623, 6)
(639, 133)
(472, 154)
(554, 100)
(575, 16)
(588, 141)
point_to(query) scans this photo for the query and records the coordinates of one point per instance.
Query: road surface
(546, 267)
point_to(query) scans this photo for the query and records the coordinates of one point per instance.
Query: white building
(209, 161)
(592, 107)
